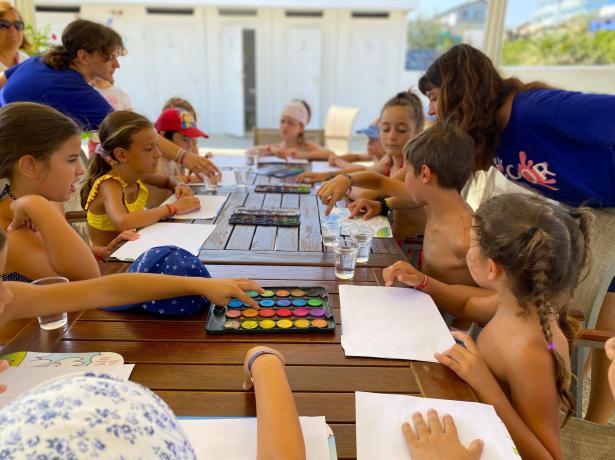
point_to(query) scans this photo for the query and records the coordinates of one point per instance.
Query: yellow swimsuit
(102, 221)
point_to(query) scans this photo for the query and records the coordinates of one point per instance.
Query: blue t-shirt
(64, 90)
(562, 144)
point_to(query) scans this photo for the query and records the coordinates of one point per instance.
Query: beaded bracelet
(423, 285)
(172, 209)
(179, 158)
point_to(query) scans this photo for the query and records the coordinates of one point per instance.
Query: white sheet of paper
(186, 236)
(21, 379)
(379, 224)
(210, 207)
(275, 160)
(210, 438)
(380, 416)
(393, 323)
(323, 166)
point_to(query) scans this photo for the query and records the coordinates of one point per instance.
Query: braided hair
(542, 248)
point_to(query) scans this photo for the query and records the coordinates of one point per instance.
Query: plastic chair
(338, 128)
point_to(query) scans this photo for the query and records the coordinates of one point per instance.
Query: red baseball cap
(178, 120)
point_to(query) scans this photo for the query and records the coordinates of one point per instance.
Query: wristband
(423, 285)
(260, 353)
(98, 251)
(172, 209)
(349, 178)
(179, 158)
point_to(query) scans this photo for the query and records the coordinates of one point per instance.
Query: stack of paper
(379, 224)
(275, 160)
(186, 236)
(210, 207)
(20, 379)
(323, 166)
(380, 416)
(210, 437)
(394, 323)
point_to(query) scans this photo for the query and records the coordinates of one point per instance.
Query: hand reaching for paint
(250, 360)
(4, 365)
(404, 273)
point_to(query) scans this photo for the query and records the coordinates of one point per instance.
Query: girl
(400, 120)
(11, 37)
(294, 119)
(39, 155)
(114, 194)
(529, 254)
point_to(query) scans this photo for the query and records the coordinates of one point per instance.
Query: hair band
(402, 95)
(99, 150)
(551, 346)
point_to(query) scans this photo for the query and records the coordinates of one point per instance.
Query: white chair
(338, 128)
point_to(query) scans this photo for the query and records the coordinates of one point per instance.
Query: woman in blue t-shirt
(559, 143)
(62, 78)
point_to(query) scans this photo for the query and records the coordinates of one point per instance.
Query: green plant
(39, 40)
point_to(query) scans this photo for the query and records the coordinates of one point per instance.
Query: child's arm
(172, 183)
(195, 163)
(279, 434)
(531, 415)
(312, 177)
(465, 302)
(69, 255)
(311, 151)
(112, 196)
(120, 289)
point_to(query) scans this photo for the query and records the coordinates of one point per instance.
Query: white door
(303, 68)
(54, 23)
(173, 69)
(231, 71)
(369, 83)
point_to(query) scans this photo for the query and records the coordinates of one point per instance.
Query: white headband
(99, 150)
(297, 111)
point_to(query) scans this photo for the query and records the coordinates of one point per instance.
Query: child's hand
(187, 204)
(200, 165)
(404, 273)
(4, 365)
(183, 190)
(332, 191)
(435, 441)
(21, 212)
(311, 177)
(467, 363)
(220, 291)
(371, 208)
(126, 235)
(247, 379)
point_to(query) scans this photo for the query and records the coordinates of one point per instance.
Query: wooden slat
(222, 233)
(309, 231)
(11, 329)
(33, 338)
(264, 272)
(438, 381)
(288, 237)
(264, 237)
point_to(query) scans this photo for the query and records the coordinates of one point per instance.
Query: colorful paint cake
(281, 310)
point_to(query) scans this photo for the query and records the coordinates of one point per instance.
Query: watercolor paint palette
(280, 171)
(283, 188)
(283, 217)
(282, 309)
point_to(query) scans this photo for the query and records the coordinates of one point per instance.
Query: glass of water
(211, 183)
(241, 176)
(362, 236)
(345, 260)
(331, 233)
(59, 320)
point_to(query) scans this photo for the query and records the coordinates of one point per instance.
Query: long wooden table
(200, 375)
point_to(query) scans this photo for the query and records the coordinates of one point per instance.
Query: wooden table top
(200, 375)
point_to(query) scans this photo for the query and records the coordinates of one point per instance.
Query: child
(178, 126)
(39, 155)
(529, 253)
(401, 119)
(295, 117)
(114, 194)
(374, 148)
(115, 96)
(183, 104)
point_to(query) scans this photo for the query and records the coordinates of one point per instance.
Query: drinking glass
(59, 320)
(241, 176)
(211, 183)
(330, 233)
(362, 236)
(345, 260)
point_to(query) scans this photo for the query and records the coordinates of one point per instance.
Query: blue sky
(517, 11)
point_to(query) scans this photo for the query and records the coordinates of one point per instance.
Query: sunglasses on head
(6, 25)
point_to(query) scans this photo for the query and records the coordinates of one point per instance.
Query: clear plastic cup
(330, 233)
(211, 183)
(362, 236)
(345, 260)
(59, 320)
(241, 176)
